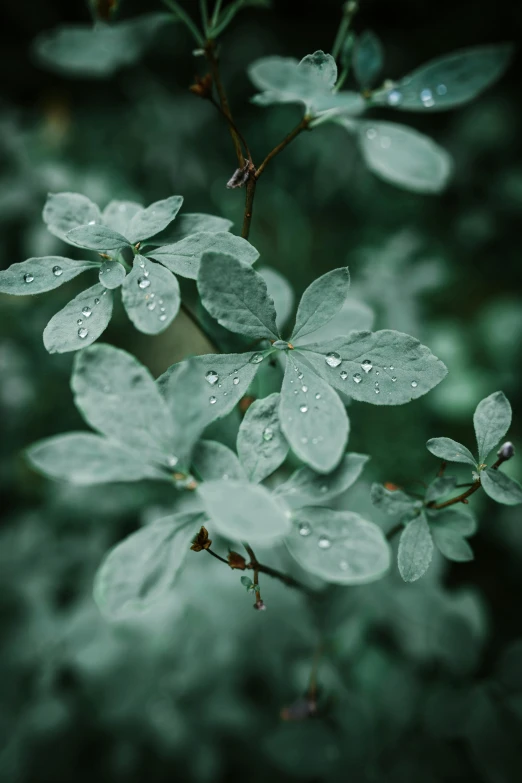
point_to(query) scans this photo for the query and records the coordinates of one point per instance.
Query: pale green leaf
(500, 487)
(243, 511)
(118, 214)
(452, 545)
(236, 296)
(339, 546)
(150, 221)
(313, 418)
(37, 275)
(450, 451)
(85, 458)
(404, 157)
(492, 419)
(305, 487)
(394, 502)
(151, 296)
(96, 237)
(440, 486)
(112, 274)
(118, 397)
(212, 460)
(354, 316)
(458, 519)
(280, 290)
(191, 223)
(415, 549)
(368, 59)
(64, 211)
(141, 570)
(321, 301)
(63, 332)
(384, 368)
(261, 445)
(183, 257)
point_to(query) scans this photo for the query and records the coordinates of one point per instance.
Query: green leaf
(404, 157)
(37, 275)
(191, 223)
(118, 214)
(118, 397)
(313, 418)
(305, 487)
(492, 419)
(415, 549)
(368, 59)
(440, 486)
(384, 368)
(247, 582)
(85, 458)
(96, 52)
(150, 221)
(457, 519)
(450, 451)
(96, 237)
(321, 301)
(280, 290)
(151, 296)
(339, 546)
(500, 487)
(64, 211)
(453, 546)
(141, 570)
(236, 296)
(184, 257)
(112, 274)
(63, 332)
(353, 316)
(261, 445)
(394, 502)
(448, 81)
(244, 511)
(213, 460)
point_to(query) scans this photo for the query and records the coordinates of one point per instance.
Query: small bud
(506, 451)
(236, 561)
(260, 606)
(201, 541)
(202, 86)
(240, 176)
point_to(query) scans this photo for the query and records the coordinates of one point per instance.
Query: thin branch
(303, 125)
(249, 205)
(273, 572)
(210, 52)
(233, 125)
(463, 498)
(218, 557)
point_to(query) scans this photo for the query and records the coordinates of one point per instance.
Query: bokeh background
(416, 681)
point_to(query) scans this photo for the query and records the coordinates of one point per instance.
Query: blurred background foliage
(418, 681)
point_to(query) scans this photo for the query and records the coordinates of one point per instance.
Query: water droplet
(296, 391)
(357, 378)
(151, 306)
(377, 391)
(28, 277)
(317, 396)
(268, 434)
(212, 377)
(304, 529)
(324, 542)
(442, 89)
(414, 384)
(163, 317)
(300, 376)
(142, 264)
(393, 379)
(91, 222)
(392, 368)
(304, 388)
(162, 309)
(146, 272)
(385, 142)
(172, 462)
(377, 372)
(86, 311)
(57, 271)
(82, 333)
(212, 400)
(367, 365)
(281, 345)
(303, 408)
(79, 322)
(426, 97)
(394, 97)
(235, 381)
(143, 282)
(96, 301)
(371, 134)
(376, 384)
(256, 358)
(344, 375)
(160, 301)
(333, 359)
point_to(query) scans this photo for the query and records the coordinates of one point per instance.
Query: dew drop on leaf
(151, 306)
(344, 375)
(394, 97)
(143, 282)
(235, 381)
(82, 333)
(317, 396)
(28, 278)
(303, 408)
(324, 542)
(304, 388)
(57, 271)
(172, 462)
(256, 358)
(367, 365)
(86, 311)
(212, 377)
(163, 317)
(268, 434)
(414, 384)
(333, 359)
(304, 529)
(212, 400)
(426, 97)
(357, 378)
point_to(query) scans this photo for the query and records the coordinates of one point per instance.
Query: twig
(249, 205)
(463, 498)
(218, 557)
(210, 52)
(303, 125)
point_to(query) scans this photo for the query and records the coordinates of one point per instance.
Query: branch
(210, 53)
(463, 498)
(303, 125)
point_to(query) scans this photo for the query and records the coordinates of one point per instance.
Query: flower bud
(506, 451)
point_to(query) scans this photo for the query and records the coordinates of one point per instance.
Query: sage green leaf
(96, 52)
(80, 322)
(321, 301)
(448, 81)
(213, 460)
(191, 223)
(150, 221)
(440, 486)
(261, 445)
(112, 274)
(183, 257)
(415, 549)
(354, 316)
(85, 458)
(118, 214)
(280, 290)
(404, 157)
(339, 546)
(500, 487)
(244, 511)
(384, 368)
(450, 451)
(37, 275)
(64, 211)
(453, 546)
(394, 502)
(141, 570)
(457, 519)
(151, 296)
(368, 59)
(96, 237)
(312, 416)
(236, 296)
(118, 397)
(305, 487)
(492, 419)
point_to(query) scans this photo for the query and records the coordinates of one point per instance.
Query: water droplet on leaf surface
(57, 271)
(28, 277)
(82, 333)
(324, 542)
(333, 359)
(367, 365)
(143, 282)
(212, 377)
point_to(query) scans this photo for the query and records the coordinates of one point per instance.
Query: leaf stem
(273, 572)
(187, 21)
(218, 557)
(349, 11)
(303, 125)
(249, 204)
(463, 498)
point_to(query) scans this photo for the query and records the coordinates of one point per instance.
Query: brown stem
(218, 557)
(233, 125)
(249, 204)
(442, 468)
(303, 125)
(273, 572)
(212, 57)
(465, 495)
